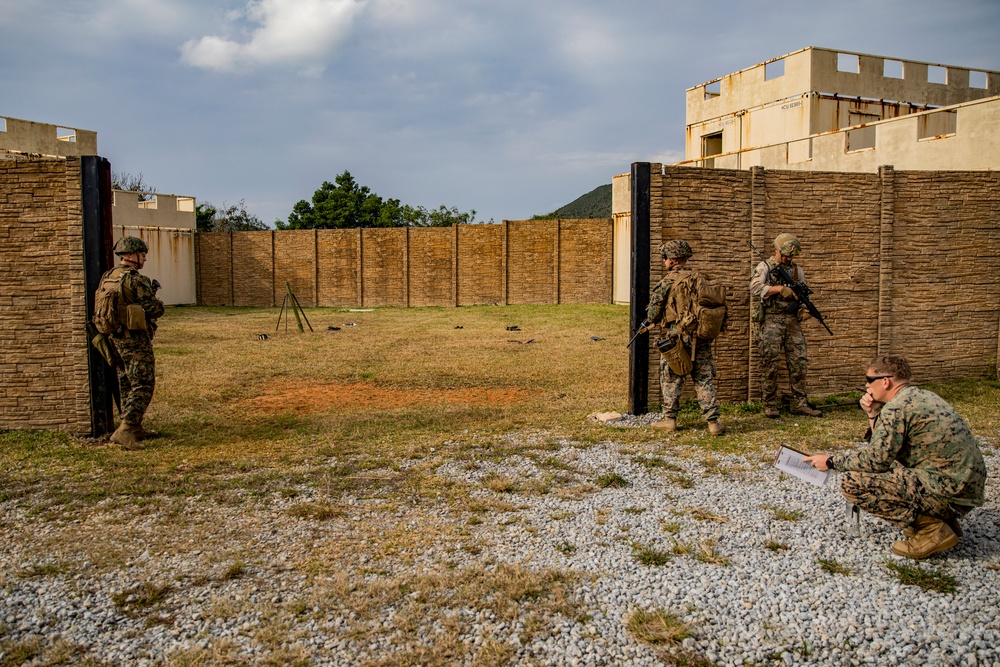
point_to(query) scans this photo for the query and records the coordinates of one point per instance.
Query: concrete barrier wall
(44, 373)
(900, 262)
(526, 261)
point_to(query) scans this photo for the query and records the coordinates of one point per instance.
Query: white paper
(790, 461)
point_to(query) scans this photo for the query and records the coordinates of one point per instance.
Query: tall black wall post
(95, 184)
(638, 360)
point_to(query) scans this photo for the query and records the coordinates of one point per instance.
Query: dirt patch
(300, 398)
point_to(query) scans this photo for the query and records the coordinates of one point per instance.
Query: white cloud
(287, 32)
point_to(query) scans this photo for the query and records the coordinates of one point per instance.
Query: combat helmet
(129, 244)
(676, 249)
(787, 245)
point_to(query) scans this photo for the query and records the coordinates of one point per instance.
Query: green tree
(347, 204)
(229, 218)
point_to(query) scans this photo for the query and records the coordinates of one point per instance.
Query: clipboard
(791, 461)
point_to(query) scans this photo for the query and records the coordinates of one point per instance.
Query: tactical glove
(804, 314)
(787, 292)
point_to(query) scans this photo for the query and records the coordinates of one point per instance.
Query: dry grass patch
(702, 514)
(658, 627)
(706, 552)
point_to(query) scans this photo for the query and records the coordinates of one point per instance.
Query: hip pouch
(676, 355)
(135, 317)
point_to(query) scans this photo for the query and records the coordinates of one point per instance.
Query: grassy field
(315, 423)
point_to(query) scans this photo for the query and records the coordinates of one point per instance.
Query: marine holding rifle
(673, 304)
(777, 314)
(132, 337)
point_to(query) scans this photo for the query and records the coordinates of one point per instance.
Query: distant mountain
(594, 204)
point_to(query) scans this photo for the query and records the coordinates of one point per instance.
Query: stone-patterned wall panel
(383, 264)
(44, 375)
(480, 265)
(585, 260)
(531, 261)
(946, 273)
(432, 266)
(710, 209)
(253, 269)
(295, 262)
(215, 269)
(339, 255)
(836, 217)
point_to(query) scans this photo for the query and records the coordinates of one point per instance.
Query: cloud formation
(297, 32)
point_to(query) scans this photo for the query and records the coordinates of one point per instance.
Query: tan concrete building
(821, 109)
(166, 222)
(27, 137)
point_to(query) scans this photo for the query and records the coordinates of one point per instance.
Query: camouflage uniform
(703, 363)
(776, 329)
(138, 377)
(921, 459)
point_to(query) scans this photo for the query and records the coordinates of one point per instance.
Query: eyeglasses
(874, 378)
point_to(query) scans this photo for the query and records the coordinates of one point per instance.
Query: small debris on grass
(513, 327)
(596, 338)
(350, 324)
(604, 417)
(262, 336)
(333, 328)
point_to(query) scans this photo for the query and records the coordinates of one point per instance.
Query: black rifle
(801, 290)
(643, 328)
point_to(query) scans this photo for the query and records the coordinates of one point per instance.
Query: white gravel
(765, 607)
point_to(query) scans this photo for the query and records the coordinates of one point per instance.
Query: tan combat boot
(806, 409)
(142, 434)
(771, 411)
(126, 436)
(667, 424)
(930, 536)
(953, 523)
(716, 428)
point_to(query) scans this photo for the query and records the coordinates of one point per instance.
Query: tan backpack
(109, 303)
(700, 305)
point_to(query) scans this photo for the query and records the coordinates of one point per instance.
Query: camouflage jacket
(763, 277)
(920, 431)
(660, 309)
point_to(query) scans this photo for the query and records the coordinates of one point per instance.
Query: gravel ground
(765, 600)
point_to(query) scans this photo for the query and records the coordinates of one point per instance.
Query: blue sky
(508, 107)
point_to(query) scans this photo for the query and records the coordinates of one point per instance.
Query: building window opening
(892, 69)
(861, 117)
(937, 74)
(713, 89)
(977, 80)
(711, 144)
(937, 125)
(773, 70)
(149, 202)
(3, 124)
(185, 204)
(65, 134)
(860, 139)
(848, 62)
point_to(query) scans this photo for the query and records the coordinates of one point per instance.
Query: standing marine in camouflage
(133, 343)
(922, 469)
(668, 307)
(777, 318)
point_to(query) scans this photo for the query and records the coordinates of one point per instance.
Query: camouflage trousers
(782, 332)
(703, 375)
(138, 379)
(896, 496)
